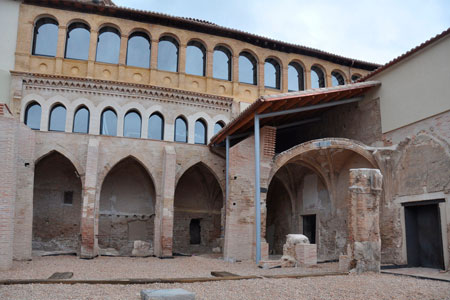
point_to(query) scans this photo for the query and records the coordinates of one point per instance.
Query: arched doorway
(56, 204)
(297, 200)
(314, 176)
(197, 211)
(127, 207)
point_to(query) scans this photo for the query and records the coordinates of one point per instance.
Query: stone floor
(421, 272)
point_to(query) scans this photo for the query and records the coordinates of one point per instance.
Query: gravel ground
(367, 287)
(150, 267)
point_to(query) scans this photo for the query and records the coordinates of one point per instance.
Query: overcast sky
(371, 30)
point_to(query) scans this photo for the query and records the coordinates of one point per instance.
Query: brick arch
(320, 144)
(195, 162)
(44, 152)
(110, 165)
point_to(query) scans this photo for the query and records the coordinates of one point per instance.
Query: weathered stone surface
(142, 249)
(288, 261)
(108, 252)
(169, 294)
(269, 264)
(363, 221)
(306, 254)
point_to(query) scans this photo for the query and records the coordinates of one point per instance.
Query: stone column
(307, 75)
(284, 79)
(260, 78)
(181, 65)
(88, 211)
(92, 53)
(60, 49)
(235, 74)
(153, 61)
(164, 206)
(209, 69)
(363, 241)
(123, 57)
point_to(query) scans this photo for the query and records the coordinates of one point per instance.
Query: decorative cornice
(86, 86)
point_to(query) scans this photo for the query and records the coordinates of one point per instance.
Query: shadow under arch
(57, 201)
(198, 211)
(126, 206)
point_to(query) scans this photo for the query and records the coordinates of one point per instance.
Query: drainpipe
(257, 192)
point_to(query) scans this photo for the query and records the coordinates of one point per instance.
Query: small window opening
(68, 197)
(194, 231)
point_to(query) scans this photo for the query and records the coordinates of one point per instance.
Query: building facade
(105, 139)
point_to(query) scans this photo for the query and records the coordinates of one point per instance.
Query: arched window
(81, 120)
(168, 54)
(132, 125)
(195, 58)
(218, 127)
(138, 50)
(222, 63)
(108, 124)
(77, 41)
(45, 38)
(108, 45)
(296, 79)
(247, 68)
(337, 79)
(355, 77)
(272, 74)
(317, 78)
(33, 116)
(57, 120)
(180, 130)
(156, 127)
(200, 132)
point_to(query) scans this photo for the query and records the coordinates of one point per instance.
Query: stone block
(142, 249)
(172, 294)
(344, 263)
(306, 254)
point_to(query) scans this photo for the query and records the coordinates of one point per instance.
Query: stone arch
(126, 206)
(78, 20)
(198, 205)
(27, 100)
(195, 161)
(325, 165)
(57, 202)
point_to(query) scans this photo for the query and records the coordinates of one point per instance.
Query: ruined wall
(199, 196)
(417, 168)
(127, 207)
(56, 204)
(358, 121)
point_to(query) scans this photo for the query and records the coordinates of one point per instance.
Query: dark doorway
(309, 228)
(423, 235)
(194, 231)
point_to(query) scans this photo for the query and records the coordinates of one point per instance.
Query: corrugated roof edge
(252, 108)
(406, 55)
(101, 9)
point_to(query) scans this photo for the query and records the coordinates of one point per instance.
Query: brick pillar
(240, 215)
(164, 206)
(8, 154)
(88, 212)
(364, 242)
(23, 219)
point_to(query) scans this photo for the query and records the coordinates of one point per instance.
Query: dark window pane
(108, 124)
(132, 125)
(45, 38)
(222, 64)
(247, 68)
(200, 132)
(155, 127)
(295, 78)
(217, 127)
(180, 130)
(138, 50)
(168, 55)
(33, 116)
(77, 44)
(195, 59)
(272, 74)
(355, 78)
(337, 79)
(81, 121)
(58, 118)
(108, 45)
(317, 78)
